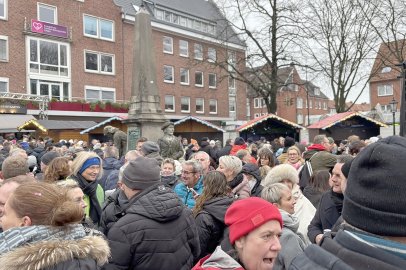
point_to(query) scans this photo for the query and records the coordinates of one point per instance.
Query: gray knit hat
(141, 173)
(149, 147)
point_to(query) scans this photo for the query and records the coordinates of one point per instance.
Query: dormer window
(317, 91)
(386, 70)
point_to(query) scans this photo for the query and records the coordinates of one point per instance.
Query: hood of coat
(217, 207)
(159, 203)
(111, 163)
(47, 254)
(252, 169)
(218, 260)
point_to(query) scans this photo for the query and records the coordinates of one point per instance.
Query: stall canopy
(9, 123)
(45, 125)
(103, 123)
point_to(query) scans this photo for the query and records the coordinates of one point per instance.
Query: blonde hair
(81, 159)
(45, 204)
(232, 162)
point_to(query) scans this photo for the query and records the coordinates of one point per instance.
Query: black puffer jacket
(113, 209)
(210, 223)
(158, 232)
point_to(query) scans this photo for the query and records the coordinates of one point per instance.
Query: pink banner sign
(49, 29)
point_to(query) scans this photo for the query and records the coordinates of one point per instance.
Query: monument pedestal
(136, 128)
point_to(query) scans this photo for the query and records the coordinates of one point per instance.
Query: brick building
(296, 99)
(385, 83)
(82, 50)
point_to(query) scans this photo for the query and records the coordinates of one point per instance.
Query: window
(199, 79)
(168, 45)
(94, 94)
(99, 62)
(53, 89)
(231, 82)
(320, 105)
(258, 102)
(3, 85)
(325, 105)
(311, 104)
(184, 76)
(49, 57)
(200, 105)
(3, 48)
(299, 103)
(183, 48)
(198, 51)
(168, 74)
(212, 80)
(386, 108)
(3, 9)
(385, 90)
(306, 103)
(300, 118)
(317, 91)
(185, 104)
(232, 59)
(47, 13)
(167, 16)
(169, 103)
(213, 106)
(386, 70)
(159, 14)
(183, 21)
(231, 104)
(98, 28)
(211, 55)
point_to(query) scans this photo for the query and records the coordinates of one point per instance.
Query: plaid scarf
(19, 236)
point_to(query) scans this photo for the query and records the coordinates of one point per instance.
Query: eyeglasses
(186, 172)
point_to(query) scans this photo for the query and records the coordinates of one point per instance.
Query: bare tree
(388, 22)
(340, 41)
(268, 27)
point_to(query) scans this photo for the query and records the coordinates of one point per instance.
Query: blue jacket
(186, 195)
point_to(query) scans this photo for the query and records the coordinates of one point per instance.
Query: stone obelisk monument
(145, 116)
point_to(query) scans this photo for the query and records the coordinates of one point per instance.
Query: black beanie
(345, 169)
(239, 141)
(142, 173)
(375, 198)
(289, 141)
(48, 157)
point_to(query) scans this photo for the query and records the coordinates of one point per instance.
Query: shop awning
(45, 125)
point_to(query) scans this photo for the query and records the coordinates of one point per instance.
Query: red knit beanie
(245, 215)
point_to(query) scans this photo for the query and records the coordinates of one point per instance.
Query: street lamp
(393, 104)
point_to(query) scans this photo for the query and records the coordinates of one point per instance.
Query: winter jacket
(170, 180)
(38, 152)
(292, 243)
(219, 260)
(326, 215)
(112, 180)
(348, 252)
(87, 253)
(158, 232)
(110, 164)
(304, 211)
(223, 152)
(313, 195)
(186, 195)
(252, 169)
(210, 223)
(113, 208)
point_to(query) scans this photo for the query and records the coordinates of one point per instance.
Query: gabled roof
(340, 117)
(180, 121)
(263, 118)
(45, 125)
(10, 122)
(119, 118)
(202, 9)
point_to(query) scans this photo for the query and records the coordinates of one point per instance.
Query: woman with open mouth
(255, 227)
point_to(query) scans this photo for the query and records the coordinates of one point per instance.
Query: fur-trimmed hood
(47, 254)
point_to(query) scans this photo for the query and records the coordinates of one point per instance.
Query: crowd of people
(250, 205)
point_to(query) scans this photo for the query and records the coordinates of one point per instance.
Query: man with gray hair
(192, 185)
(14, 166)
